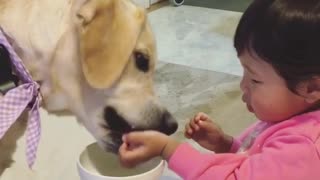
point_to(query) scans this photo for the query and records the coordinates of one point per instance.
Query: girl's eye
(255, 81)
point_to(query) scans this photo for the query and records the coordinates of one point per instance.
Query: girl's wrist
(169, 148)
(226, 143)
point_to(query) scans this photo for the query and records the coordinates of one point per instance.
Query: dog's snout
(169, 125)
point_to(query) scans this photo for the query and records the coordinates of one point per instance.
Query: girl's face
(266, 93)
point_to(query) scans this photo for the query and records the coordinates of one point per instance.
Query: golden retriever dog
(94, 59)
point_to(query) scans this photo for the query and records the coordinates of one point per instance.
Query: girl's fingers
(207, 126)
(193, 124)
(188, 131)
(130, 156)
(202, 116)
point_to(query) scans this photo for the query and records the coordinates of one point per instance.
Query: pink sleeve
(235, 145)
(283, 157)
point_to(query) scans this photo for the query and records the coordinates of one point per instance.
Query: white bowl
(96, 164)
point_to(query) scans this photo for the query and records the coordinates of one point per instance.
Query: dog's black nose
(169, 125)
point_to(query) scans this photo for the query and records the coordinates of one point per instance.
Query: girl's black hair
(285, 34)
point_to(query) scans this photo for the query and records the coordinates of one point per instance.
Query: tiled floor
(198, 71)
(197, 37)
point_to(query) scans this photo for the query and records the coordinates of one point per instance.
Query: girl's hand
(138, 147)
(207, 134)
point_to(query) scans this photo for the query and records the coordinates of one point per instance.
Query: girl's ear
(310, 90)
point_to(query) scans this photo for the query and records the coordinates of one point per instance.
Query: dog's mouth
(117, 127)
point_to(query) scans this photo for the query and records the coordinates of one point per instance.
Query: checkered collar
(23, 97)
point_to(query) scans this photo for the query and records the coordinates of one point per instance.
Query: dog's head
(118, 56)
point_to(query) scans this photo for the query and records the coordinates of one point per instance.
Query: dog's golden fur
(83, 53)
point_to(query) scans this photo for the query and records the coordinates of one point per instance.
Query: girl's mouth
(249, 107)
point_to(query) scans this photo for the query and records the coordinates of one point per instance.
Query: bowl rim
(161, 163)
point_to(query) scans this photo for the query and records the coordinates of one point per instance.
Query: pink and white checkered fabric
(24, 97)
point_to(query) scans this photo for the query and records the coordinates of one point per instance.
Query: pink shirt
(288, 150)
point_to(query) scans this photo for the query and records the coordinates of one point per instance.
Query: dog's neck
(42, 34)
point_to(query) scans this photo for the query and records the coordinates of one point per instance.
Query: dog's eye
(142, 61)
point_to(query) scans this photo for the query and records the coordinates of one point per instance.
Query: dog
(94, 59)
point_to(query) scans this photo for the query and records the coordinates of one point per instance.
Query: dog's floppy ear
(108, 37)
